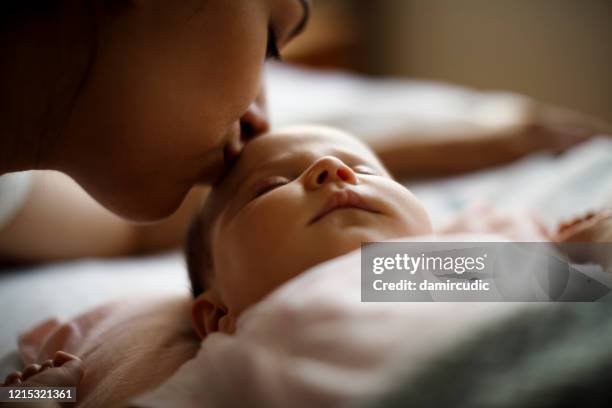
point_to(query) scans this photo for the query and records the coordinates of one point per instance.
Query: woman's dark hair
(16, 11)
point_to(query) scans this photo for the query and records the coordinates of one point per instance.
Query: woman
(137, 101)
(140, 101)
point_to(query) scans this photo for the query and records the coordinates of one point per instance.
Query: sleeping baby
(304, 196)
(294, 200)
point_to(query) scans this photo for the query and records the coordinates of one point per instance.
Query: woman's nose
(254, 121)
(328, 169)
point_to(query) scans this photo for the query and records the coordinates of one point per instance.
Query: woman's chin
(146, 206)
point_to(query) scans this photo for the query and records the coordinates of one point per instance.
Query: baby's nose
(329, 169)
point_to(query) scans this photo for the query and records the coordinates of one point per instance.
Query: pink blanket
(127, 347)
(314, 343)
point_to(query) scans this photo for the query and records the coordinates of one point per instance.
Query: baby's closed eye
(269, 184)
(365, 169)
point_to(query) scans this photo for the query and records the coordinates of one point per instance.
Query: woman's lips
(343, 199)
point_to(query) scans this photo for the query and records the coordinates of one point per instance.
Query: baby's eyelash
(362, 169)
(272, 51)
(266, 188)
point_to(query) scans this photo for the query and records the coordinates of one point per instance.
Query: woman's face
(170, 84)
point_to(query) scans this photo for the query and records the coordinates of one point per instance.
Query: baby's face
(298, 198)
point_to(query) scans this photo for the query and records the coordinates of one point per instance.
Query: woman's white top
(14, 189)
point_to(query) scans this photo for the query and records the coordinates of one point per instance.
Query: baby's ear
(208, 314)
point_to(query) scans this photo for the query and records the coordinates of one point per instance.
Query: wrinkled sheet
(314, 343)
(127, 346)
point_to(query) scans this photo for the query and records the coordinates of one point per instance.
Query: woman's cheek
(239, 68)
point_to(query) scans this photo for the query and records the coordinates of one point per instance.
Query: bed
(557, 187)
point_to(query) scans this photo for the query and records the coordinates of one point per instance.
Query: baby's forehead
(280, 147)
(311, 141)
(290, 149)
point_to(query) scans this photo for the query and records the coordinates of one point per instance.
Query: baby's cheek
(263, 230)
(422, 222)
(413, 214)
(283, 208)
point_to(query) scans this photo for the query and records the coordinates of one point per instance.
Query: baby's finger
(29, 371)
(74, 371)
(46, 364)
(13, 378)
(69, 374)
(61, 357)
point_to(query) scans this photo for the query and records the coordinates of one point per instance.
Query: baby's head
(295, 198)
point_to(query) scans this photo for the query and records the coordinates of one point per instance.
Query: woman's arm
(60, 221)
(452, 147)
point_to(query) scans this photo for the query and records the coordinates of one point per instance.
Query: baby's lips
(345, 198)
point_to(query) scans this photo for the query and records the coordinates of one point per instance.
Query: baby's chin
(359, 226)
(327, 245)
(335, 242)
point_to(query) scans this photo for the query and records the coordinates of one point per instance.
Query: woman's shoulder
(14, 189)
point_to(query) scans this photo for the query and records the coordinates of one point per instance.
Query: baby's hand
(518, 226)
(65, 370)
(592, 227)
(594, 231)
